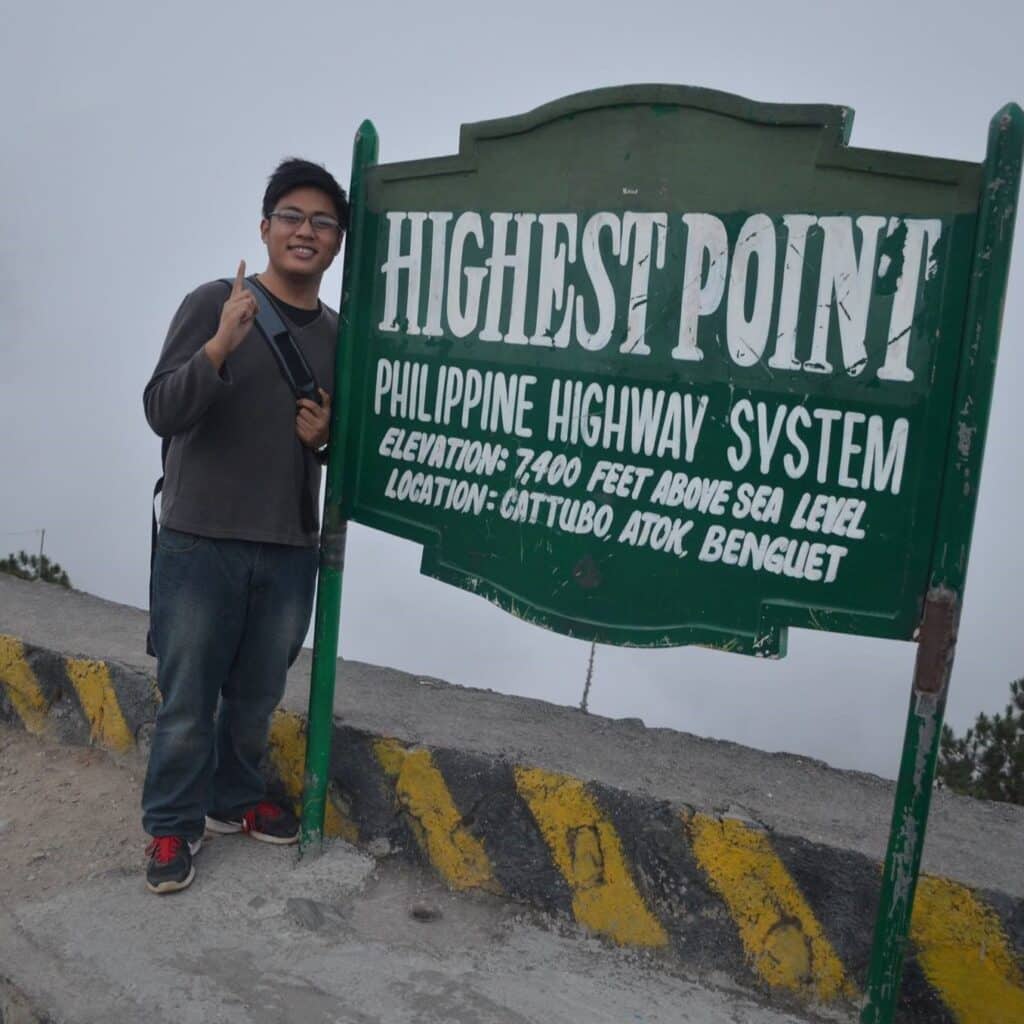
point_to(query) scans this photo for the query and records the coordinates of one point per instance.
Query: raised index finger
(239, 286)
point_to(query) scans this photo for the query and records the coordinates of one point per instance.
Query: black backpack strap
(289, 357)
(165, 446)
(295, 369)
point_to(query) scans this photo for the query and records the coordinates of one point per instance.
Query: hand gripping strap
(290, 360)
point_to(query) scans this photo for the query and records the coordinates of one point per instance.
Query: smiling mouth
(302, 250)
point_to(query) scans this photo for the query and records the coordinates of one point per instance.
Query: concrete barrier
(569, 813)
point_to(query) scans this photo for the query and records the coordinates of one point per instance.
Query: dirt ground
(66, 814)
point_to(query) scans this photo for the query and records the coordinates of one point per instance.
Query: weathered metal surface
(332, 545)
(625, 388)
(990, 268)
(335, 528)
(937, 643)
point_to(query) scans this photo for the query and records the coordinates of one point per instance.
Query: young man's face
(301, 250)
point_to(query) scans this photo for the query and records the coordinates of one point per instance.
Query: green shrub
(34, 567)
(988, 761)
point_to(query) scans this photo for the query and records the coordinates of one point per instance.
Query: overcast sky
(137, 141)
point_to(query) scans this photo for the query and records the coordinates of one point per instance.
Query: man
(236, 557)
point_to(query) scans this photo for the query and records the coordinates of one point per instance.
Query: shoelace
(164, 848)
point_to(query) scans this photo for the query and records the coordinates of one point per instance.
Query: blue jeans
(228, 618)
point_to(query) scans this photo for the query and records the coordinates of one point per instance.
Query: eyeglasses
(320, 222)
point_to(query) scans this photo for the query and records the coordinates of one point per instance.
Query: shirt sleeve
(185, 383)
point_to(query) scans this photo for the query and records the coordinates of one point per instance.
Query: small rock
(425, 912)
(305, 912)
(5, 824)
(736, 812)
(37, 857)
(379, 847)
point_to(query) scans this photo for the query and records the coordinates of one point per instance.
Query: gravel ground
(66, 814)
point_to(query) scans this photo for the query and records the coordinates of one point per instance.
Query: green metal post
(910, 812)
(937, 640)
(334, 530)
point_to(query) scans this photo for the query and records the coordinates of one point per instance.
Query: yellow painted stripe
(96, 694)
(455, 852)
(779, 932)
(965, 955)
(288, 756)
(22, 686)
(588, 852)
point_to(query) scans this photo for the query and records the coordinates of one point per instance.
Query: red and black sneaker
(267, 821)
(170, 863)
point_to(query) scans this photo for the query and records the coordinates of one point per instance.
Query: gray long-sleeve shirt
(236, 468)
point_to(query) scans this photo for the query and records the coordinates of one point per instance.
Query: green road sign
(656, 365)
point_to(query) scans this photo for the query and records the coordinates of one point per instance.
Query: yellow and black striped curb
(79, 700)
(777, 913)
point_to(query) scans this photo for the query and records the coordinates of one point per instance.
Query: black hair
(294, 173)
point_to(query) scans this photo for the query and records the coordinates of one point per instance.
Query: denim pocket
(176, 540)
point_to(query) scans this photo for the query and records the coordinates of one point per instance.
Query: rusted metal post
(913, 796)
(334, 530)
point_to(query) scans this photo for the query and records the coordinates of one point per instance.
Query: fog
(137, 145)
